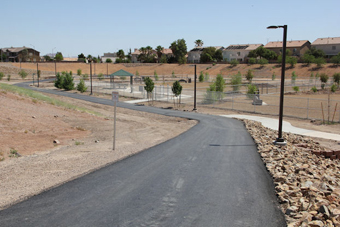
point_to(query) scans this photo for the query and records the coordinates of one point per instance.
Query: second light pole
(280, 140)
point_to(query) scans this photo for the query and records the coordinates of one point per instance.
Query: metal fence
(236, 98)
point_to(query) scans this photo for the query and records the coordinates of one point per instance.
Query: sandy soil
(30, 127)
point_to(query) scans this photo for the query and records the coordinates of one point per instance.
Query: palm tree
(159, 50)
(198, 43)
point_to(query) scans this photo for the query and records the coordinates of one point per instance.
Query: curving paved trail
(210, 176)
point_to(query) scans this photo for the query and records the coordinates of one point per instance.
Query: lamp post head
(276, 26)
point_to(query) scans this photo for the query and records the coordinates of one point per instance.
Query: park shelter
(120, 73)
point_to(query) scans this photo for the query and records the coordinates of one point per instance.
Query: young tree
(1, 75)
(249, 75)
(308, 59)
(68, 83)
(336, 78)
(294, 76)
(323, 79)
(319, 62)
(81, 57)
(292, 61)
(317, 53)
(156, 75)
(108, 60)
(201, 77)
(198, 43)
(81, 86)
(58, 83)
(207, 54)
(177, 90)
(59, 56)
(336, 60)
(179, 49)
(149, 86)
(236, 81)
(47, 58)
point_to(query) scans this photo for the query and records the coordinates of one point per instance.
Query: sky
(97, 27)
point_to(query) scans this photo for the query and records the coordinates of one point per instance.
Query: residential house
(134, 56)
(112, 56)
(194, 55)
(297, 47)
(21, 54)
(238, 52)
(331, 45)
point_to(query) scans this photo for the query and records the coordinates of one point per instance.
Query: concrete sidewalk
(286, 127)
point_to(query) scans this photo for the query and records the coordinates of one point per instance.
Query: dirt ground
(32, 162)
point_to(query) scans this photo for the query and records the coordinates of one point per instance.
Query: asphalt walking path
(211, 175)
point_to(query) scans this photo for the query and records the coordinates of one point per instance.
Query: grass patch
(13, 153)
(79, 143)
(41, 97)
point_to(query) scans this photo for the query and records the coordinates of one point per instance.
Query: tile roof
(243, 46)
(293, 43)
(16, 49)
(325, 41)
(167, 51)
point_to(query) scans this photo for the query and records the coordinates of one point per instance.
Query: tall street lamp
(195, 89)
(280, 140)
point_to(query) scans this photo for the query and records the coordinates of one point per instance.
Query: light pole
(195, 91)
(55, 63)
(33, 49)
(91, 75)
(280, 140)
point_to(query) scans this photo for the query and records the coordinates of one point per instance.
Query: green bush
(296, 88)
(323, 78)
(68, 83)
(81, 86)
(334, 87)
(336, 60)
(79, 72)
(336, 78)
(206, 76)
(137, 73)
(1, 75)
(85, 77)
(201, 77)
(234, 62)
(273, 76)
(100, 76)
(251, 90)
(262, 61)
(156, 75)
(314, 89)
(294, 76)
(252, 61)
(108, 60)
(58, 83)
(23, 74)
(122, 77)
(173, 74)
(8, 77)
(236, 81)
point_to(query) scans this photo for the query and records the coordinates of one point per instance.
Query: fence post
(232, 102)
(307, 107)
(167, 93)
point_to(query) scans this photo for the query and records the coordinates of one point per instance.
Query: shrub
(336, 60)
(100, 76)
(334, 87)
(173, 74)
(206, 76)
(156, 75)
(23, 74)
(336, 78)
(137, 73)
(249, 75)
(58, 83)
(252, 61)
(234, 62)
(201, 77)
(122, 77)
(296, 88)
(251, 90)
(85, 77)
(71, 73)
(323, 78)
(78, 72)
(149, 86)
(8, 77)
(177, 89)
(308, 59)
(294, 76)
(39, 73)
(314, 89)
(1, 75)
(273, 76)
(320, 61)
(108, 60)
(81, 86)
(236, 80)
(68, 83)
(262, 61)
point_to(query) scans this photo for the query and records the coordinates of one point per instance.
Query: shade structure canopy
(121, 72)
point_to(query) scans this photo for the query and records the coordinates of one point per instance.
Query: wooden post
(323, 116)
(336, 105)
